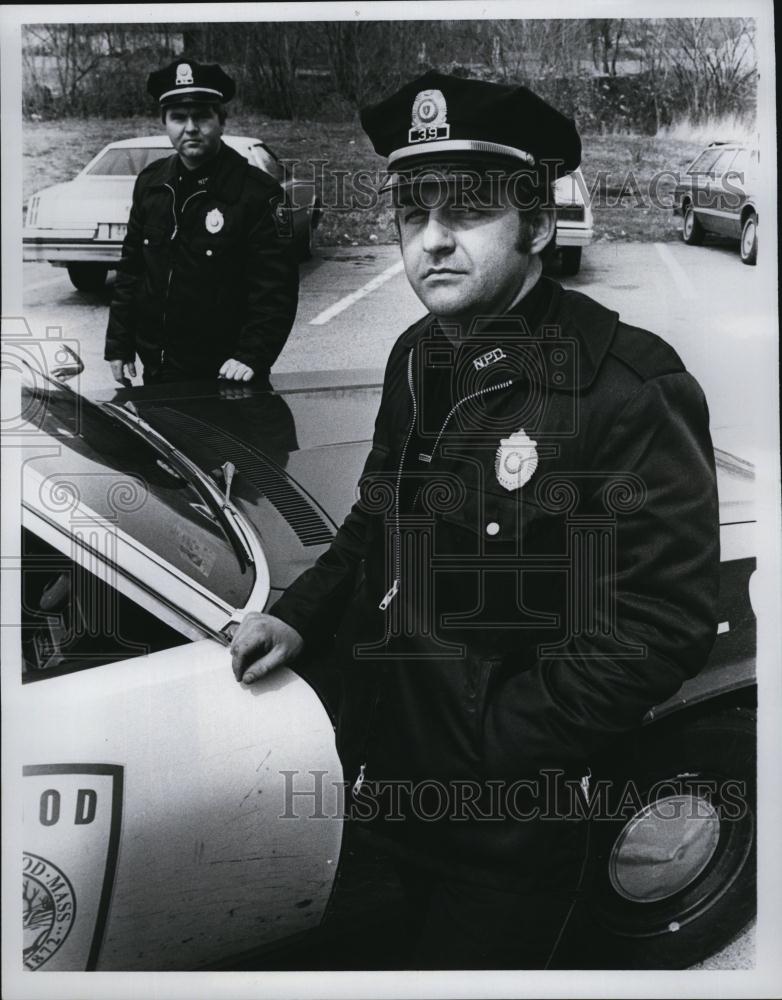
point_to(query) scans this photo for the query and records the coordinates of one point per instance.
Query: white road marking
(678, 274)
(45, 284)
(360, 293)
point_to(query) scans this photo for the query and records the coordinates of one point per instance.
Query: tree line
(610, 73)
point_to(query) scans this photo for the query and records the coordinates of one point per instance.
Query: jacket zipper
(396, 555)
(171, 238)
(396, 540)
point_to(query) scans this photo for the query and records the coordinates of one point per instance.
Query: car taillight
(571, 214)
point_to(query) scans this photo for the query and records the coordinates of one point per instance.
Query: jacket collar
(574, 321)
(225, 181)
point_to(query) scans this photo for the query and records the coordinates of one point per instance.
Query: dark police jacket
(488, 633)
(207, 277)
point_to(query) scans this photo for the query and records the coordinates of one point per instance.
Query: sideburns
(526, 231)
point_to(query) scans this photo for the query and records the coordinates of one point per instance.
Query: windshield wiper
(245, 542)
(218, 502)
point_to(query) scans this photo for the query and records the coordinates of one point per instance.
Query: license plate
(112, 230)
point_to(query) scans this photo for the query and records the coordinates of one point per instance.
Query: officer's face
(461, 260)
(194, 131)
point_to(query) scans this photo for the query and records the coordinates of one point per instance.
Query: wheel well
(746, 211)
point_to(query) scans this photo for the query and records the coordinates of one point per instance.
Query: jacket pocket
(153, 237)
(486, 521)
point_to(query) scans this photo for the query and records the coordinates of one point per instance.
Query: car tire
(88, 277)
(569, 260)
(647, 912)
(693, 232)
(749, 239)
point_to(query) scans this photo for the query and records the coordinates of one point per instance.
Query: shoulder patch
(645, 353)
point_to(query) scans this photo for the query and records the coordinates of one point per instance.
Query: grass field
(56, 151)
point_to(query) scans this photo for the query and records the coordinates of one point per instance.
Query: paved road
(355, 301)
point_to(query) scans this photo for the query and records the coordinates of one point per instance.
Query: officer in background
(208, 282)
(533, 560)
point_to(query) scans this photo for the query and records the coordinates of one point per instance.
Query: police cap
(440, 122)
(185, 80)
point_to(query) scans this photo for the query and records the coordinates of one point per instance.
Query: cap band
(190, 90)
(460, 146)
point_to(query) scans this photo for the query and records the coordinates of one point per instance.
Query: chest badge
(214, 221)
(516, 461)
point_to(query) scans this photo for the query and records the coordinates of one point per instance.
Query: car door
(698, 185)
(171, 816)
(732, 193)
(713, 207)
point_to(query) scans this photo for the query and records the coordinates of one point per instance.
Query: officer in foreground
(533, 560)
(208, 282)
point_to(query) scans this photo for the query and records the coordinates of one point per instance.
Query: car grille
(206, 442)
(571, 214)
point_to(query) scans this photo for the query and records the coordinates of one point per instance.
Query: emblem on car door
(48, 909)
(72, 819)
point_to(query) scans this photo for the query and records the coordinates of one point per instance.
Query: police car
(162, 827)
(81, 224)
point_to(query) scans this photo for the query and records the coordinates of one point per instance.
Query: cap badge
(214, 221)
(429, 118)
(516, 461)
(184, 75)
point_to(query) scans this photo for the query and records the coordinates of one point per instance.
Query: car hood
(85, 201)
(298, 451)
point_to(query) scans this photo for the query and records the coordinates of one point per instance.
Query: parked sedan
(574, 221)
(161, 820)
(716, 196)
(81, 224)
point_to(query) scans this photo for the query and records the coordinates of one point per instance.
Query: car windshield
(705, 161)
(124, 480)
(127, 161)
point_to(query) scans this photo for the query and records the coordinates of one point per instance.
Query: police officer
(533, 559)
(208, 283)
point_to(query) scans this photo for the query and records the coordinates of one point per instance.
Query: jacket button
(492, 528)
(146, 242)
(208, 253)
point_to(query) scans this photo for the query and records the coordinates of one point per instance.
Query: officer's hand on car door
(236, 370)
(267, 637)
(123, 371)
